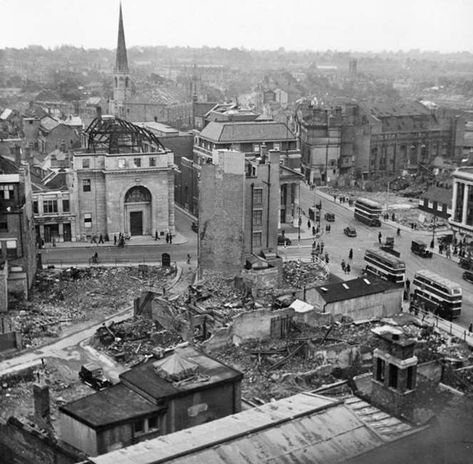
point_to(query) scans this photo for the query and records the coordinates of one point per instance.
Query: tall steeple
(121, 64)
(121, 78)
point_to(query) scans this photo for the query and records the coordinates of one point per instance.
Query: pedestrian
(335, 198)
(114, 239)
(156, 235)
(43, 363)
(95, 258)
(348, 268)
(470, 327)
(343, 265)
(350, 254)
(170, 238)
(408, 285)
(308, 225)
(313, 230)
(101, 239)
(326, 258)
(380, 236)
(188, 258)
(398, 232)
(167, 237)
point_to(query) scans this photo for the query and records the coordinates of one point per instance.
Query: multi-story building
(122, 181)
(242, 131)
(54, 219)
(239, 200)
(369, 139)
(17, 237)
(461, 219)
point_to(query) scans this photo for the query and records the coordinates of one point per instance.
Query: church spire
(121, 64)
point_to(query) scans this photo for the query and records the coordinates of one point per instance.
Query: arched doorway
(138, 211)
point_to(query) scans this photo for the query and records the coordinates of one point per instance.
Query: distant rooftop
(254, 131)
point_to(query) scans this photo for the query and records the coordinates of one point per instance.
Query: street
(338, 245)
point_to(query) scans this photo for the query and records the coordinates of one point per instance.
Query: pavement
(177, 239)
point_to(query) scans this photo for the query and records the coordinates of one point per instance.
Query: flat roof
(302, 428)
(145, 379)
(110, 406)
(354, 288)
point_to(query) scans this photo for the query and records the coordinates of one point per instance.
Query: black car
(350, 231)
(468, 276)
(420, 249)
(330, 217)
(92, 375)
(282, 239)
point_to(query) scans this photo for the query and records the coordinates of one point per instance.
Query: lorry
(419, 248)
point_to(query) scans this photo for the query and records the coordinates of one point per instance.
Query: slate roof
(300, 429)
(261, 131)
(7, 166)
(48, 123)
(111, 406)
(143, 378)
(355, 288)
(440, 195)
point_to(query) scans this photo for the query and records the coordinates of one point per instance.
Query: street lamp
(432, 243)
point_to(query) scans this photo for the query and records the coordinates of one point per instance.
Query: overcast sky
(444, 25)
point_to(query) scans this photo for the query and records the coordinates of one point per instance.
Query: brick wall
(221, 221)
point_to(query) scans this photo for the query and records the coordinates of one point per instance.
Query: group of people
(120, 241)
(342, 199)
(346, 268)
(100, 238)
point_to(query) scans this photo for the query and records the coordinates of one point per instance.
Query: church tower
(121, 77)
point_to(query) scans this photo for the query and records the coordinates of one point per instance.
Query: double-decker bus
(437, 294)
(368, 211)
(386, 266)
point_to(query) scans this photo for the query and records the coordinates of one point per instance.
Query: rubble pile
(68, 297)
(298, 274)
(133, 340)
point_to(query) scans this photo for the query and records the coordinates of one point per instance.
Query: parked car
(92, 374)
(195, 227)
(465, 263)
(350, 231)
(330, 217)
(282, 239)
(420, 248)
(468, 276)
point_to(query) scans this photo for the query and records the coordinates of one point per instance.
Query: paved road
(337, 244)
(131, 253)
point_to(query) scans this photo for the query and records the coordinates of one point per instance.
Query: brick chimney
(394, 374)
(42, 415)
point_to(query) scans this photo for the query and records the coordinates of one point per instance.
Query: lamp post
(432, 243)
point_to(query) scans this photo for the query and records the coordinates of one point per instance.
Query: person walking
(167, 237)
(343, 265)
(308, 225)
(114, 239)
(101, 239)
(398, 232)
(170, 238)
(348, 268)
(350, 254)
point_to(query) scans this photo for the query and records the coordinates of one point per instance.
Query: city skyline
(368, 25)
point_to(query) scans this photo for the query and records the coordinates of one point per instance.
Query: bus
(437, 294)
(368, 211)
(386, 266)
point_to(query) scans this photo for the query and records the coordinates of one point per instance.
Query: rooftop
(254, 131)
(355, 288)
(144, 377)
(302, 428)
(110, 406)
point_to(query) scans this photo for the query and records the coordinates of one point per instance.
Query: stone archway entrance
(138, 211)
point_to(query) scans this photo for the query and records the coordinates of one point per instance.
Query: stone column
(61, 231)
(465, 204)
(454, 199)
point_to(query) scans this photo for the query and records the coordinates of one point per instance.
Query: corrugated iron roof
(300, 429)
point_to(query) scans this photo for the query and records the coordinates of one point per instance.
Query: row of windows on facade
(51, 206)
(122, 162)
(244, 147)
(7, 192)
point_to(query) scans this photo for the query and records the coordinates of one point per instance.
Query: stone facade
(131, 193)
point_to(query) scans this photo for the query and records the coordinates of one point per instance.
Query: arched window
(137, 194)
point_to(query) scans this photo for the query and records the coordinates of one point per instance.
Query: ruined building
(17, 236)
(122, 181)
